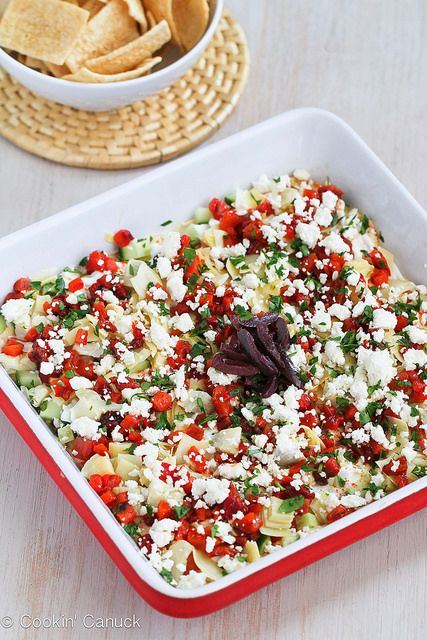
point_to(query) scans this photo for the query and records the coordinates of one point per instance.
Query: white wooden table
(366, 60)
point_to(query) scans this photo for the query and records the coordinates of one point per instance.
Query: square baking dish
(305, 138)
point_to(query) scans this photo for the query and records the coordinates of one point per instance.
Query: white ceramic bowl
(105, 97)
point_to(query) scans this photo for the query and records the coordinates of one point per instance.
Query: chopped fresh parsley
(181, 511)
(291, 504)
(242, 312)
(349, 342)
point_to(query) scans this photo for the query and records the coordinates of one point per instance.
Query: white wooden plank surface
(366, 60)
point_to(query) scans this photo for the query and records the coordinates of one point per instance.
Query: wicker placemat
(150, 131)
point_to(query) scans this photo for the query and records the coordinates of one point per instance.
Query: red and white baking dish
(306, 138)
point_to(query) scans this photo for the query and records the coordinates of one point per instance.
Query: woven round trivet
(150, 131)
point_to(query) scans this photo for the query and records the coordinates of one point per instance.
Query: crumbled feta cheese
(323, 216)
(231, 471)
(288, 450)
(86, 427)
(260, 440)
(164, 266)
(384, 319)
(79, 382)
(217, 377)
(309, 233)
(46, 368)
(229, 564)
(333, 243)
(321, 319)
(210, 544)
(138, 407)
(192, 580)
(18, 311)
(211, 490)
(353, 277)
(169, 246)
(220, 291)
(269, 233)
(176, 286)
(329, 199)
(161, 531)
(409, 452)
(183, 323)
(160, 336)
(416, 335)
(413, 358)
(377, 433)
(105, 364)
(73, 299)
(116, 434)
(250, 280)
(379, 365)
(157, 293)
(149, 452)
(359, 436)
(334, 353)
(340, 311)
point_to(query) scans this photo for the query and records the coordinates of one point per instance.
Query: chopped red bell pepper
(123, 237)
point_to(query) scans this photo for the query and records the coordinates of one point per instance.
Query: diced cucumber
(132, 267)
(262, 542)
(202, 215)
(308, 520)
(191, 231)
(65, 435)
(140, 365)
(50, 410)
(2, 323)
(136, 249)
(27, 379)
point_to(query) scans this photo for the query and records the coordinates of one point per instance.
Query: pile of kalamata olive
(259, 346)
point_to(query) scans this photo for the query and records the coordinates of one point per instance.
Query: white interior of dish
(305, 138)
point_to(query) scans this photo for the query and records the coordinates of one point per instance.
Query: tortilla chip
(34, 63)
(93, 6)
(191, 18)
(57, 70)
(162, 10)
(132, 54)
(136, 11)
(43, 29)
(85, 75)
(3, 5)
(150, 19)
(110, 28)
